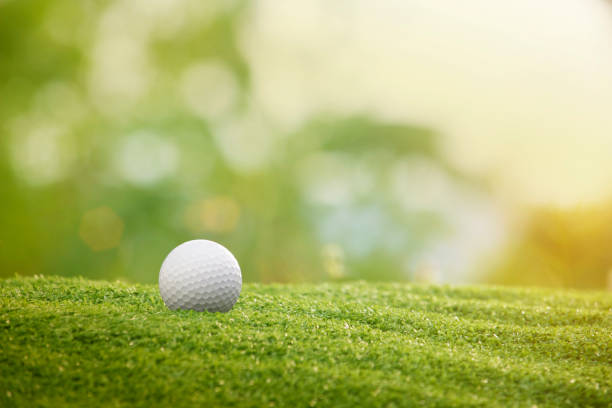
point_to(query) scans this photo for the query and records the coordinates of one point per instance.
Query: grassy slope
(85, 343)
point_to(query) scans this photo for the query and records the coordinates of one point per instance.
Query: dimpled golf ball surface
(200, 275)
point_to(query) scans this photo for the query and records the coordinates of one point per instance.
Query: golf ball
(200, 275)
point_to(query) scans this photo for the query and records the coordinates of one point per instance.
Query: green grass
(90, 343)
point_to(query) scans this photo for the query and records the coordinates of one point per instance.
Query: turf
(75, 342)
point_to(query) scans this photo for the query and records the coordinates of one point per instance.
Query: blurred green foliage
(127, 127)
(276, 232)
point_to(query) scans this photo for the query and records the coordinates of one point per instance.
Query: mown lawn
(91, 343)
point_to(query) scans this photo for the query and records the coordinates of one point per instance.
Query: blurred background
(412, 140)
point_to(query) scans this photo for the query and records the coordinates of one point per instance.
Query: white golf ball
(200, 275)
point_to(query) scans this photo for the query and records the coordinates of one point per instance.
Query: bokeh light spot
(101, 229)
(247, 142)
(39, 156)
(426, 272)
(209, 89)
(334, 178)
(218, 214)
(333, 261)
(145, 158)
